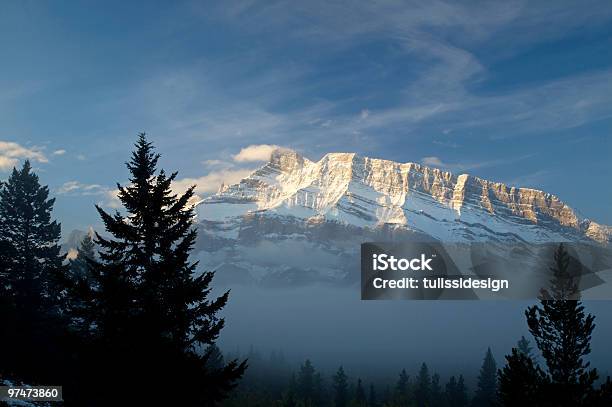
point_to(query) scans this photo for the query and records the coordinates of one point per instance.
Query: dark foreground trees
(143, 318)
(341, 397)
(31, 330)
(486, 391)
(562, 332)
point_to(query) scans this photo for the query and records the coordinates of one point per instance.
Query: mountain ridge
(369, 192)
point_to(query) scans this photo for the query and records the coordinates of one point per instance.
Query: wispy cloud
(215, 163)
(11, 153)
(259, 152)
(210, 182)
(105, 196)
(439, 37)
(78, 188)
(59, 152)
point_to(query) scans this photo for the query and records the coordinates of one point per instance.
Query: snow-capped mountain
(297, 220)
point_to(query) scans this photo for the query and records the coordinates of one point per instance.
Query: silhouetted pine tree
(402, 389)
(30, 241)
(462, 397)
(77, 281)
(437, 398)
(148, 312)
(456, 392)
(319, 390)
(31, 330)
(360, 395)
(565, 277)
(562, 332)
(451, 391)
(388, 396)
(372, 399)
(79, 266)
(521, 382)
(290, 397)
(422, 391)
(486, 391)
(340, 384)
(306, 381)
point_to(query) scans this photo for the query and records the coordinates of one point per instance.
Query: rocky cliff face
(296, 220)
(366, 192)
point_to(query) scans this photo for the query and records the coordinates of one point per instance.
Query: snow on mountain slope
(296, 221)
(368, 193)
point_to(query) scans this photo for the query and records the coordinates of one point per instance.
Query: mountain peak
(369, 192)
(286, 159)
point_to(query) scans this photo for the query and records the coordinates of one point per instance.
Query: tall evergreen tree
(306, 382)
(77, 280)
(290, 397)
(148, 312)
(456, 392)
(372, 399)
(566, 272)
(461, 395)
(30, 240)
(402, 389)
(422, 391)
(86, 252)
(562, 332)
(450, 391)
(521, 382)
(437, 398)
(31, 263)
(340, 388)
(319, 390)
(486, 391)
(360, 395)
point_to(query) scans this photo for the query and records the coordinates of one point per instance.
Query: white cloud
(7, 162)
(215, 163)
(76, 187)
(256, 152)
(108, 197)
(205, 185)
(81, 157)
(11, 153)
(59, 152)
(433, 161)
(440, 37)
(112, 199)
(211, 182)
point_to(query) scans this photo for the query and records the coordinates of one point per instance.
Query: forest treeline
(131, 325)
(129, 322)
(272, 382)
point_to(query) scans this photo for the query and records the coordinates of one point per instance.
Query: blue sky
(511, 91)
